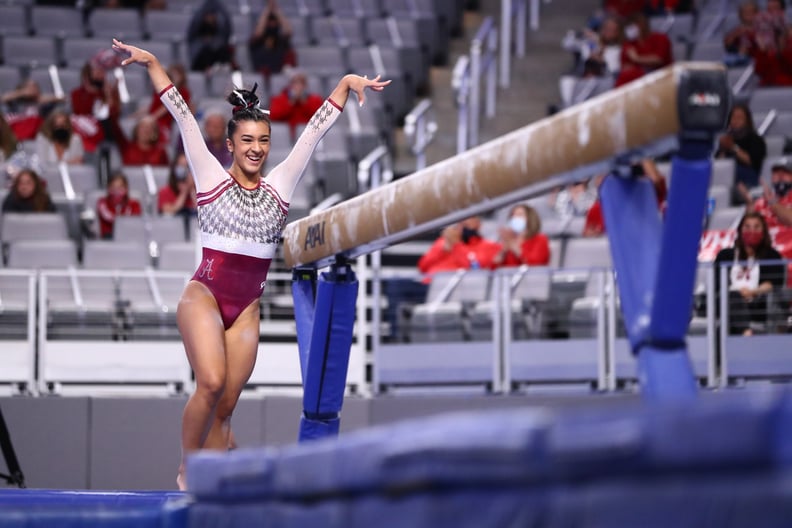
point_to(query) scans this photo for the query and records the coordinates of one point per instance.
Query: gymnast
(241, 215)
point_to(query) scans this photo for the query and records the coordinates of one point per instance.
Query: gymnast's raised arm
(207, 171)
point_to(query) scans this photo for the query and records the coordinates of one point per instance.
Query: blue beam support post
(655, 258)
(324, 311)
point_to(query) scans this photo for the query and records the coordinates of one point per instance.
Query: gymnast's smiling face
(250, 146)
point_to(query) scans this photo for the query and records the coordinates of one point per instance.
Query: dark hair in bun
(246, 108)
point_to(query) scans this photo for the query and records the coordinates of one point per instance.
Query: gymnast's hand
(136, 54)
(358, 84)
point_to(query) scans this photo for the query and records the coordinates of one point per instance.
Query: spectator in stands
(624, 9)
(773, 51)
(521, 241)
(748, 149)
(145, 147)
(26, 108)
(460, 246)
(597, 53)
(643, 50)
(57, 142)
(28, 195)
(740, 41)
(8, 140)
(750, 280)
(116, 202)
(646, 168)
(575, 199)
(214, 128)
(667, 7)
(209, 36)
(775, 204)
(96, 102)
(270, 44)
(295, 104)
(158, 111)
(178, 196)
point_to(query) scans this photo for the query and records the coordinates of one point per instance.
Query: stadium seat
(13, 20)
(178, 256)
(41, 226)
(56, 21)
(30, 52)
(337, 31)
(115, 255)
(121, 23)
(42, 254)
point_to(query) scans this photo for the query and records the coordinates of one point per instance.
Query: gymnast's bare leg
(241, 345)
(201, 328)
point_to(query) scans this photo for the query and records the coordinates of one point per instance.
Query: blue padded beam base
(655, 265)
(325, 355)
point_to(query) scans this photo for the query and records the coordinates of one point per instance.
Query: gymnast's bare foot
(181, 481)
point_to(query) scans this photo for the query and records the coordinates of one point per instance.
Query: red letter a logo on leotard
(206, 271)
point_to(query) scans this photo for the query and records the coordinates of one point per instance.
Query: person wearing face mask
(178, 196)
(460, 246)
(775, 204)
(57, 142)
(116, 203)
(643, 50)
(750, 279)
(521, 242)
(748, 149)
(26, 108)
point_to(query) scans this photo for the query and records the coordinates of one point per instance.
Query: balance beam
(511, 167)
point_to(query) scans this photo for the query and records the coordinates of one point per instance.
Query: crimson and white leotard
(241, 227)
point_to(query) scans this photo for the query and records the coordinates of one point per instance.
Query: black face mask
(61, 135)
(97, 83)
(468, 234)
(781, 188)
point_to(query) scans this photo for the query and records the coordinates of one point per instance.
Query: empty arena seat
(355, 8)
(167, 25)
(40, 226)
(120, 23)
(38, 254)
(29, 52)
(57, 21)
(444, 317)
(111, 255)
(337, 31)
(81, 306)
(178, 256)
(15, 304)
(13, 20)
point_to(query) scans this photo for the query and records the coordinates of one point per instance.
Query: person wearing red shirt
(96, 101)
(521, 242)
(116, 203)
(460, 246)
(144, 148)
(643, 50)
(775, 205)
(295, 105)
(178, 196)
(624, 8)
(772, 53)
(595, 223)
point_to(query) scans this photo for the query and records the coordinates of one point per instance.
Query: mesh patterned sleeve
(206, 170)
(286, 175)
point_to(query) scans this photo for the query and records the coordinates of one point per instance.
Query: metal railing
(420, 127)
(513, 34)
(466, 80)
(537, 326)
